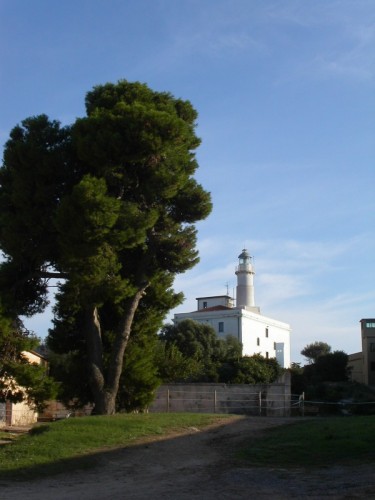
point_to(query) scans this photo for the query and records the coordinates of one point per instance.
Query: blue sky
(285, 92)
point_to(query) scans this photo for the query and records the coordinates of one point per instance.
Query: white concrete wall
(20, 414)
(247, 327)
(2, 414)
(230, 318)
(254, 327)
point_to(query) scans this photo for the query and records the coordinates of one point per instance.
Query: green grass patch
(71, 443)
(319, 442)
(7, 436)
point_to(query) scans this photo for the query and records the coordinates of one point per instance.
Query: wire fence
(265, 401)
(254, 402)
(240, 401)
(343, 407)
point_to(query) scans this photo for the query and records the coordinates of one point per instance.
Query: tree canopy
(200, 347)
(193, 339)
(255, 369)
(106, 205)
(324, 368)
(330, 367)
(195, 353)
(313, 351)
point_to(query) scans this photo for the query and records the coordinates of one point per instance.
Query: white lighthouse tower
(258, 334)
(245, 282)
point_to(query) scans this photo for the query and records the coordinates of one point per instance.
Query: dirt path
(195, 465)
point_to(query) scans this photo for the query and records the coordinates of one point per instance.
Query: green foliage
(297, 378)
(317, 378)
(139, 378)
(330, 367)
(192, 352)
(21, 380)
(193, 339)
(255, 370)
(70, 370)
(231, 349)
(116, 203)
(201, 351)
(313, 351)
(36, 173)
(174, 366)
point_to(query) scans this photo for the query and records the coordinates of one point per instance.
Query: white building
(257, 333)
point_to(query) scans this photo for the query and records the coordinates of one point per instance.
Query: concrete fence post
(302, 404)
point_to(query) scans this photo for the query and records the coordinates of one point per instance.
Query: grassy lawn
(319, 442)
(72, 443)
(69, 442)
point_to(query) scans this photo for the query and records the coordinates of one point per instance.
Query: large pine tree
(107, 206)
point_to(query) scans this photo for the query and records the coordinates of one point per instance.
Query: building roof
(215, 308)
(214, 297)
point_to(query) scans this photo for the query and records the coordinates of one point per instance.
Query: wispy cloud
(309, 40)
(233, 43)
(344, 47)
(354, 62)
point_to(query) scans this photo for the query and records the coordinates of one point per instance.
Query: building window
(372, 346)
(370, 325)
(221, 327)
(267, 331)
(204, 305)
(372, 366)
(258, 341)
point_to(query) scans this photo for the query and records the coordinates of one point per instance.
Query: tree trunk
(121, 341)
(105, 386)
(95, 356)
(105, 403)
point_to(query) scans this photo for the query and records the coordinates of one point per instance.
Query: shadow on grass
(247, 441)
(58, 467)
(204, 463)
(227, 436)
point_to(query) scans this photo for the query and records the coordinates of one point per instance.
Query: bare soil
(195, 464)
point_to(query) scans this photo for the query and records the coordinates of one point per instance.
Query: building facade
(21, 414)
(362, 364)
(242, 319)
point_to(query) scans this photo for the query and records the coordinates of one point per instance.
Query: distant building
(257, 333)
(362, 364)
(20, 414)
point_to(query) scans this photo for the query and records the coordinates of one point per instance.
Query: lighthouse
(258, 334)
(245, 281)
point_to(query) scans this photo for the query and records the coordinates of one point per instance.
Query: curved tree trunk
(105, 383)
